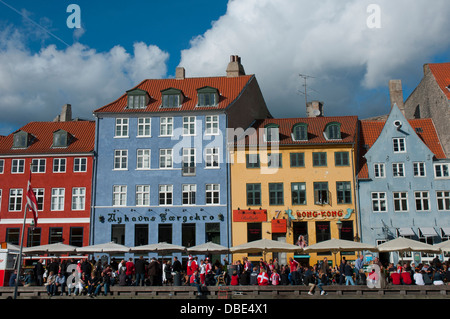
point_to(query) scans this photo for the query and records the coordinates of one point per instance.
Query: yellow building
(293, 180)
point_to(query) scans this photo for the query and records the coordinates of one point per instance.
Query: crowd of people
(91, 277)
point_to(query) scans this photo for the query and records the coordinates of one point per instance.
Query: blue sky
(122, 43)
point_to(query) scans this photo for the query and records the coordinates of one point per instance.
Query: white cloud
(34, 86)
(330, 40)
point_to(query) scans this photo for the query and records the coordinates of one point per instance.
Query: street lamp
(339, 226)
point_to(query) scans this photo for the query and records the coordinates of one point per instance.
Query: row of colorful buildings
(192, 160)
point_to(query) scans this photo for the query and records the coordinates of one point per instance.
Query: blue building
(162, 173)
(404, 183)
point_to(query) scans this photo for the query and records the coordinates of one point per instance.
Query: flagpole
(19, 266)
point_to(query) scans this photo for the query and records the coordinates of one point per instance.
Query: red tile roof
(83, 133)
(316, 128)
(229, 89)
(441, 72)
(370, 131)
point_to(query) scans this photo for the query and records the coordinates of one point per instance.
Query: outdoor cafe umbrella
(444, 246)
(402, 244)
(265, 246)
(160, 248)
(208, 248)
(57, 248)
(108, 248)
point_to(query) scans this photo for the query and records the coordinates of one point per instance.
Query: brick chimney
(314, 109)
(235, 67)
(396, 94)
(66, 114)
(180, 73)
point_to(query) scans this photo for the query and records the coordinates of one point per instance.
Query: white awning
(405, 232)
(428, 232)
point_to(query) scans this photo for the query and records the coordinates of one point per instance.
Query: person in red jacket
(263, 278)
(275, 278)
(406, 277)
(234, 279)
(395, 277)
(129, 271)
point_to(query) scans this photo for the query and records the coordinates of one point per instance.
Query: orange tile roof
(83, 133)
(229, 89)
(316, 127)
(441, 72)
(370, 131)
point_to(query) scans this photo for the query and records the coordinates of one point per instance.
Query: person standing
(39, 273)
(153, 272)
(263, 277)
(130, 271)
(139, 267)
(348, 272)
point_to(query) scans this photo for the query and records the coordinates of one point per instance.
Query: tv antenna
(305, 93)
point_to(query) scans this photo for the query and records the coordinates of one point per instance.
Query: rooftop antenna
(305, 93)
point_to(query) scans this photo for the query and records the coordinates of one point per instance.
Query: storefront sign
(320, 214)
(279, 226)
(250, 216)
(162, 218)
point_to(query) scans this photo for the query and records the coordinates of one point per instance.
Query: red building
(60, 157)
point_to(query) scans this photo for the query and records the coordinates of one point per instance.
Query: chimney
(314, 109)
(235, 67)
(396, 94)
(66, 114)
(180, 73)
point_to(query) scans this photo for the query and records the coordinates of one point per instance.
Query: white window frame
(59, 165)
(2, 166)
(399, 144)
(39, 193)
(443, 171)
(444, 198)
(121, 129)
(166, 126)
(419, 169)
(38, 167)
(78, 198)
(379, 170)
(78, 163)
(214, 191)
(57, 199)
(142, 195)
(166, 158)
(18, 166)
(191, 191)
(143, 159)
(378, 199)
(212, 125)
(165, 190)
(189, 127)
(422, 199)
(144, 128)
(119, 198)
(401, 200)
(212, 158)
(398, 170)
(121, 158)
(189, 161)
(15, 194)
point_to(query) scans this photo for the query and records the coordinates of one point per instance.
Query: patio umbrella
(265, 246)
(208, 248)
(402, 244)
(444, 246)
(108, 248)
(160, 248)
(57, 248)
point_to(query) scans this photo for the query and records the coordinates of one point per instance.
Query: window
(419, 169)
(188, 194)
(398, 169)
(300, 132)
(121, 128)
(143, 159)
(253, 194)
(80, 164)
(165, 158)
(341, 159)
(399, 145)
(443, 200)
(39, 194)
(188, 235)
(321, 195)
(120, 159)
(38, 165)
(400, 201)
(252, 160)
(207, 96)
(319, 159)
(118, 234)
(271, 133)
(119, 195)
(2, 166)
(166, 126)
(323, 231)
(142, 195)
(275, 160)
(254, 232)
(57, 200)
(55, 235)
(137, 99)
(165, 233)
(379, 203)
(212, 125)
(297, 159)
(422, 201)
(33, 236)
(212, 233)
(78, 198)
(0, 200)
(333, 131)
(276, 194)
(17, 166)
(212, 194)
(379, 170)
(21, 139)
(144, 127)
(60, 138)
(188, 164)
(59, 165)
(212, 157)
(189, 125)
(298, 191)
(76, 236)
(15, 199)
(441, 171)
(140, 235)
(346, 232)
(344, 192)
(171, 98)
(165, 195)
(13, 236)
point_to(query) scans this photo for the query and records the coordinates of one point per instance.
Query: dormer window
(333, 131)
(300, 132)
(21, 139)
(60, 138)
(172, 98)
(137, 99)
(271, 133)
(207, 96)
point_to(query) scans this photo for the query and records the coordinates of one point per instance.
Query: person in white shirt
(418, 278)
